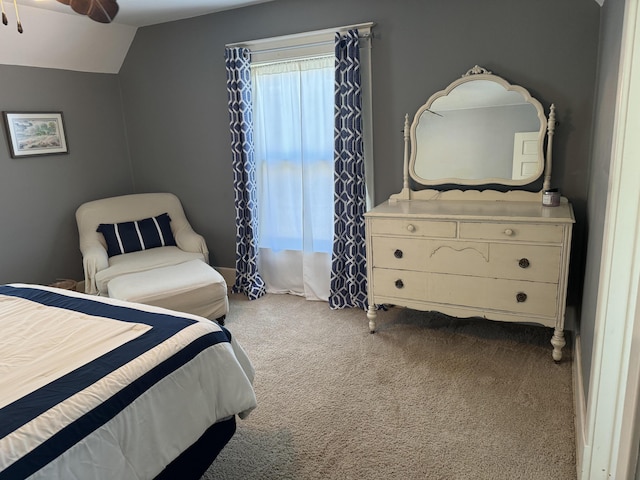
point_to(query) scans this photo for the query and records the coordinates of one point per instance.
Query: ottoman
(191, 287)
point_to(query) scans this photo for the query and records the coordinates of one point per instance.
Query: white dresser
(500, 253)
(498, 260)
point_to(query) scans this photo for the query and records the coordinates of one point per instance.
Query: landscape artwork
(31, 134)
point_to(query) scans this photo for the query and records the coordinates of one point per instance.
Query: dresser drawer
(518, 297)
(413, 227)
(523, 232)
(540, 263)
(430, 255)
(400, 284)
(536, 263)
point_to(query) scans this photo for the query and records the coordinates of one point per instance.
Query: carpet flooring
(425, 397)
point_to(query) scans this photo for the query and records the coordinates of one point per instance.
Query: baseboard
(579, 403)
(229, 275)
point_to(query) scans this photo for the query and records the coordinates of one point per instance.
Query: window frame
(317, 43)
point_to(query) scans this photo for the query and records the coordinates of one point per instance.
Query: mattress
(92, 387)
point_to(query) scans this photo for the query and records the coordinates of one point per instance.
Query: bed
(92, 387)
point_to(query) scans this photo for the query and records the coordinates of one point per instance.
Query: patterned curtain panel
(248, 279)
(348, 263)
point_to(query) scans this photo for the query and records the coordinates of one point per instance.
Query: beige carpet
(426, 397)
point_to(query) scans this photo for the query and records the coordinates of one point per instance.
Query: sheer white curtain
(293, 136)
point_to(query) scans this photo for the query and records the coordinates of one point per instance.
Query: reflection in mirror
(483, 131)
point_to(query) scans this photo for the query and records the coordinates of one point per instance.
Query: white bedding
(139, 415)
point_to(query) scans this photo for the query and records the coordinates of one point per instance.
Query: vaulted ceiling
(139, 13)
(82, 44)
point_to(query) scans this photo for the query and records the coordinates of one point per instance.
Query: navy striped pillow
(139, 235)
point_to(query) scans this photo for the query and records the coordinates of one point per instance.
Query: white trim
(298, 45)
(299, 40)
(367, 118)
(579, 402)
(627, 460)
(611, 447)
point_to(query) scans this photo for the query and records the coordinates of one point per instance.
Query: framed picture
(30, 133)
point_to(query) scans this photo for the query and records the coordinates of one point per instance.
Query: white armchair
(99, 268)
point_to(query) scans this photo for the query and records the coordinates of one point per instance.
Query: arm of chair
(190, 241)
(94, 259)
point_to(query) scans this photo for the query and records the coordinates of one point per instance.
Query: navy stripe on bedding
(164, 326)
(91, 421)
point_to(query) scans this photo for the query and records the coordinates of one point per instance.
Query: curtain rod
(255, 43)
(295, 47)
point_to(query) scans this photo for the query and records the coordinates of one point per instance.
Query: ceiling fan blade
(103, 11)
(81, 6)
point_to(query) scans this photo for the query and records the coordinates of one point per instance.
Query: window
(293, 137)
(293, 116)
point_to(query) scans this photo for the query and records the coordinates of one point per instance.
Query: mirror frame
(479, 73)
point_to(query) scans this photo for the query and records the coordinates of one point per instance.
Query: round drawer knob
(398, 253)
(411, 228)
(399, 283)
(508, 232)
(523, 263)
(521, 297)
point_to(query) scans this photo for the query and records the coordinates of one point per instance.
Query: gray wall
(174, 95)
(39, 195)
(174, 88)
(604, 115)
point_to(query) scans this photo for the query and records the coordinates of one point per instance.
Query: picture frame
(32, 134)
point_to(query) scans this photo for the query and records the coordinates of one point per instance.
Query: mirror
(479, 130)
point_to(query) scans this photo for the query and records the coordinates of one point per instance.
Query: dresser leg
(371, 315)
(558, 342)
